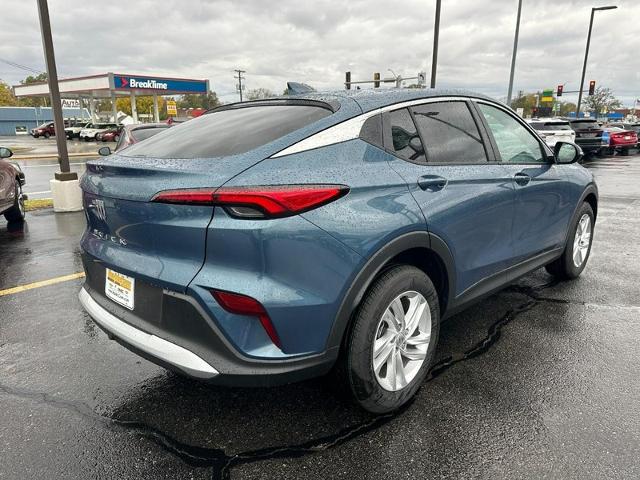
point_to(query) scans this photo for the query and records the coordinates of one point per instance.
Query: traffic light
(376, 80)
(592, 87)
(559, 92)
(347, 80)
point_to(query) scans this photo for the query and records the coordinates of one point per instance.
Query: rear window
(143, 133)
(228, 132)
(583, 125)
(554, 126)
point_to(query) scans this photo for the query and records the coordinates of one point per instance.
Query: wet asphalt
(538, 381)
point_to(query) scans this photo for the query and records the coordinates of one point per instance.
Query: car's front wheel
(391, 345)
(17, 212)
(576, 253)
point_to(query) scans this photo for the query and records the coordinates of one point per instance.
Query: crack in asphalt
(222, 463)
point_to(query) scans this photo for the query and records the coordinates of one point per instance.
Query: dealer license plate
(120, 288)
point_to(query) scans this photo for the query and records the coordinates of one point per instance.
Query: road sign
(547, 95)
(172, 108)
(520, 112)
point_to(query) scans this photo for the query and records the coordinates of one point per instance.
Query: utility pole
(436, 35)
(586, 54)
(56, 105)
(240, 78)
(513, 55)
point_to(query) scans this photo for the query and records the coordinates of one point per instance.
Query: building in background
(20, 120)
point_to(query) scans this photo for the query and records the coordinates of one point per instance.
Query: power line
(21, 67)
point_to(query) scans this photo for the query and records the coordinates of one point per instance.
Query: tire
(566, 267)
(17, 212)
(46, 135)
(379, 391)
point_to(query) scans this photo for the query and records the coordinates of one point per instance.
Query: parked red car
(45, 130)
(621, 140)
(11, 182)
(130, 134)
(111, 135)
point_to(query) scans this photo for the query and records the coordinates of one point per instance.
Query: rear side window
(143, 133)
(449, 132)
(228, 132)
(404, 140)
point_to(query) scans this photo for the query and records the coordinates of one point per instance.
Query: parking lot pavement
(540, 380)
(36, 158)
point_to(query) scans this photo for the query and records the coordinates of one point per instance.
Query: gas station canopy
(112, 85)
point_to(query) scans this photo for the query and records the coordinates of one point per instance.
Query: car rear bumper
(172, 330)
(152, 345)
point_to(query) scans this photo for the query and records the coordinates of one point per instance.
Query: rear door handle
(433, 183)
(521, 178)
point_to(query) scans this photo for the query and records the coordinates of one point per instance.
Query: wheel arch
(423, 250)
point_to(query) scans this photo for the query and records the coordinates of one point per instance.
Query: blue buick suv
(271, 241)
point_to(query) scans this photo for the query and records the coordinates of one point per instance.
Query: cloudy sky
(317, 41)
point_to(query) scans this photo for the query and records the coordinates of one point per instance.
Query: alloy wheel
(402, 340)
(582, 240)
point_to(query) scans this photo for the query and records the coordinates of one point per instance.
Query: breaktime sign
(165, 85)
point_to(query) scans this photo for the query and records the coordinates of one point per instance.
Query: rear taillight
(258, 202)
(244, 305)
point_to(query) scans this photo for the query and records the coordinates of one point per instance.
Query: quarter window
(405, 141)
(515, 143)
(449, 132)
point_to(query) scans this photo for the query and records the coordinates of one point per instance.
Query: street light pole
(513, 55)
(586, 54)
(436, 34)
(56, 105)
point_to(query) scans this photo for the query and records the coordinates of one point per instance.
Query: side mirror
(567, 152)
(5, 152)
(104, 151)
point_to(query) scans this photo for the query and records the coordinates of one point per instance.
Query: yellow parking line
(42, 283)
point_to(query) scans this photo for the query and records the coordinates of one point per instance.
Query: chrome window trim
(350, 129)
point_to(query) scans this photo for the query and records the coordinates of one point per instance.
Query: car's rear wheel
(576, 253)
(391, 345)
(46, 135)
(17, 212)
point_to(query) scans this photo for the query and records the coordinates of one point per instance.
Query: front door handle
(521, 178)
(433, 183)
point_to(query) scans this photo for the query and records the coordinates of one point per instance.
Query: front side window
(405, 141)
(449, 132)
(515, 143)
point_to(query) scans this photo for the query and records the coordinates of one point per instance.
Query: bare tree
(259, 93)
(602, 100)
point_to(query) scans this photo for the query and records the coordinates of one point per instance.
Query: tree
(526, 101)
(34, 101)
(7, 98)
(603, 100)
(208, 101)
(259, 93)
(566, 108)
(144, 104)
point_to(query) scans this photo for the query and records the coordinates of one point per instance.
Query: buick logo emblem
(98, 208)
